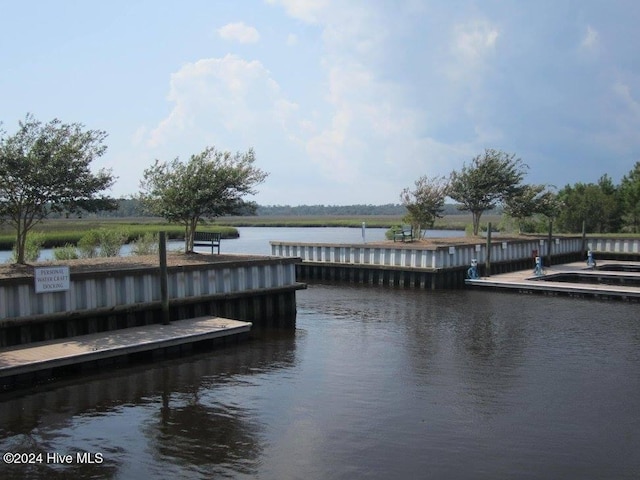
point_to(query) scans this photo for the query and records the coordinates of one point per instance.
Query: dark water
(374, 383)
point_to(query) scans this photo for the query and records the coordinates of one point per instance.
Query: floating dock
(609, 280)
(40, 361)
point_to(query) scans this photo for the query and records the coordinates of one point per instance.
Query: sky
(345, 101)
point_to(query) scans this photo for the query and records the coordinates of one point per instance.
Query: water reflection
(203, 437)
(376, 382)
(179, 416)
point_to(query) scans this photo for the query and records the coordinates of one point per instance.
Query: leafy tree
(523, 204)
(44, 168)
(596, 204)
(491, 178)
(549, 205)
(209, 185)
(530, 201)
(630, 198)
(425, 203)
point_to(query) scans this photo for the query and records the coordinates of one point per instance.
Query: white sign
(51, 279)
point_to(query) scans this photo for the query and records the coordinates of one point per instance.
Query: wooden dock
(34, 361)
(604, 285)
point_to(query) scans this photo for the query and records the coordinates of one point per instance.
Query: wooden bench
(207, 239)
(404, 233)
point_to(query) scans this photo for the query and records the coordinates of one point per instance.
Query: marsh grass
(61, 232)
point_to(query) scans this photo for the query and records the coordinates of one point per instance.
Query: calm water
(256, 240)
(374, 383)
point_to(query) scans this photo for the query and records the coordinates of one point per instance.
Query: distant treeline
(128, 208)
(346, 210)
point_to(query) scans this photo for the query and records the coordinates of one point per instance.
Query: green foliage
(103, 242)
(32, 248)
(88, 245)
(389, 233)
(629, 192)
(147, 244)
(533, 224)
(489, 180)
(110, 241)
(66, 252)
(209, 185)
(527, 202)
(45, 168)
(425, 203)
(596, 204)
(468, 230)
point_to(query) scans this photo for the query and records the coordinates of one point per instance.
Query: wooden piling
(164, 275)
(487, 263)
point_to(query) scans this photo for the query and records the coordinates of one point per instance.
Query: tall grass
(55, 236)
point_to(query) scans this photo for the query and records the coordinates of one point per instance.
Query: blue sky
(343, 101)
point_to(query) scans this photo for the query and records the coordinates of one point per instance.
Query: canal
(375, 382)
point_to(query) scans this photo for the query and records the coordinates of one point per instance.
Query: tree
(596, 204)
(630, 198)
(425, 203)
(523, 204)
(209, 185)
(529, 201)
(491, 178)
(45, 168)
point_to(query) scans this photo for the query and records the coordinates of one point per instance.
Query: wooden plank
(97, 346)
(525, 280)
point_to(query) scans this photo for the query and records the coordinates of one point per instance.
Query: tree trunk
(476, 222)
(186, 239)
(191, 226)
(21, 242)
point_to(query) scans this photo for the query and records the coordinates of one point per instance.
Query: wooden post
(164, 289)
(549, 246)
(487, 263)
(584, 238)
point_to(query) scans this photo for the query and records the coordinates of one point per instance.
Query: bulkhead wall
(261, 291)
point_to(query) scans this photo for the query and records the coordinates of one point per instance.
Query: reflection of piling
(164, 290)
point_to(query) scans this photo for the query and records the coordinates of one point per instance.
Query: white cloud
(229, 93)
(306, 10)
(591, 39)
(472, 43)
(239, 32)
(367, 132)
(623, 92)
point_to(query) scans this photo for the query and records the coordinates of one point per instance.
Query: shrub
(68, 252)
(389, 233)
(32, 248)
(111, 241)
(146, 244)
(88, 244)
(103, 242)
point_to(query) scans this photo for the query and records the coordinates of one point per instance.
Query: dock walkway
(43, 357)
(607, 284)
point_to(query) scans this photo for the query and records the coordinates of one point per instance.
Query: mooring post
(487, 263)
(164, 290)
(549, 246)
(584, 238)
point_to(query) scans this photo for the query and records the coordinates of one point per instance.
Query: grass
(59, 232)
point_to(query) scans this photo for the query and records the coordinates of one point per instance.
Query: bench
(404, 233)
(207, 239)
